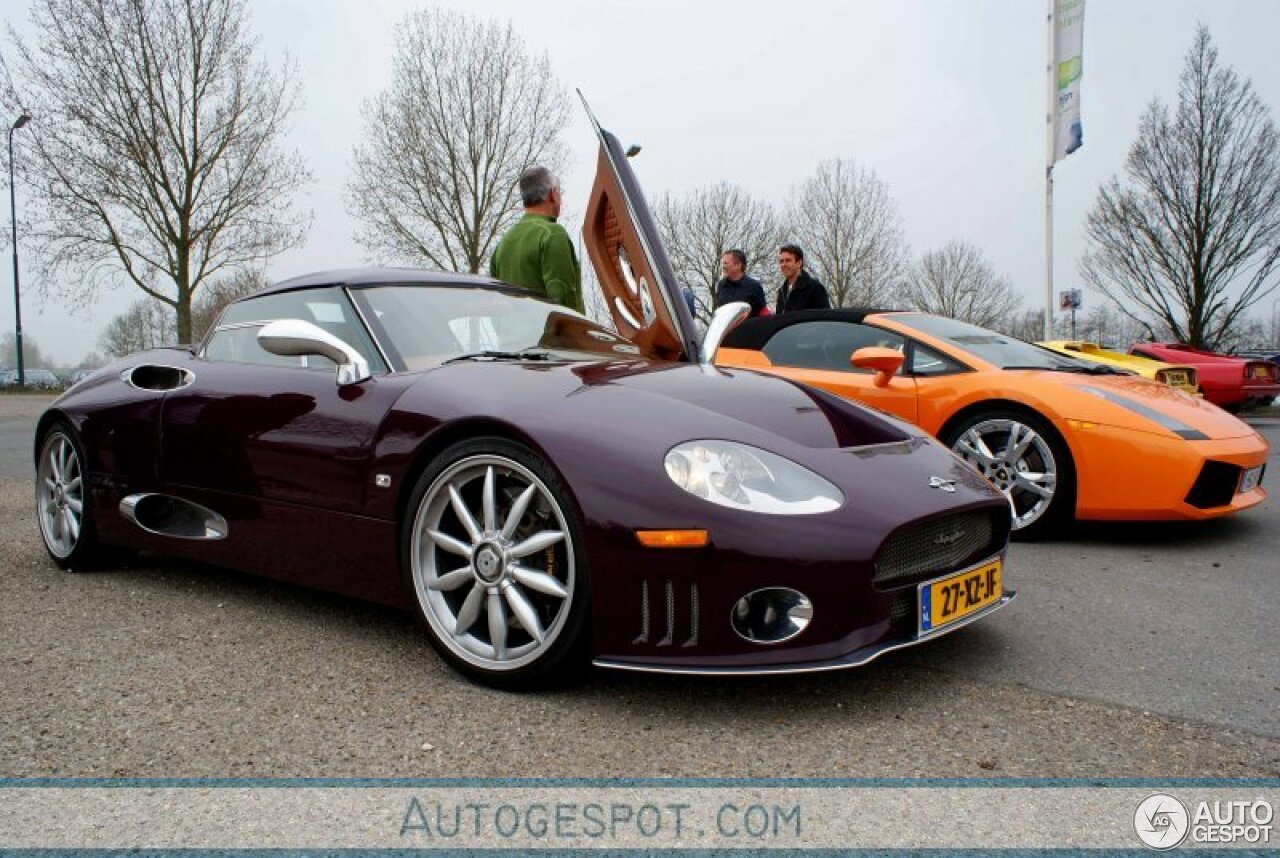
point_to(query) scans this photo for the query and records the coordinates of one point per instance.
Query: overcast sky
(944, 99)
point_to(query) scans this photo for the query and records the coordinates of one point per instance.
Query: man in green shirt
(536, 252)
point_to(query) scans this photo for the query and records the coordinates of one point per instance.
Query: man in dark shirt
(736, 285)
(799, 290)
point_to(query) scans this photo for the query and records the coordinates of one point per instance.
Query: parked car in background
(36, 379)
(80, 375)
(1060, 437)
(1231, 382)
(1181, 377)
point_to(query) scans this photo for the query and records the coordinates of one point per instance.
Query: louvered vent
(677, 618)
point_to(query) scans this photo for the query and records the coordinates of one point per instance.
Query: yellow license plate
(1261, 372)
(946, 601)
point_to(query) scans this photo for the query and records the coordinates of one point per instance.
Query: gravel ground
(172, 669)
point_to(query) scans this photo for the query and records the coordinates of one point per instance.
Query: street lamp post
(13, 214)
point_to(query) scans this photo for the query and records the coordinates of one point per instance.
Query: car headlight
(742, 477)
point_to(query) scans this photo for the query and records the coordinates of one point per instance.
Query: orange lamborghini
(1060, 437)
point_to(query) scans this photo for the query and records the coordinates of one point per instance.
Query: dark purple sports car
(540, 490)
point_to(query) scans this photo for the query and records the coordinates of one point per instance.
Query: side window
(827, 344)
(235, 340)
(926, 361)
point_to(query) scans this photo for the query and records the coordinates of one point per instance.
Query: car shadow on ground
(894, 676)
(1220, 531)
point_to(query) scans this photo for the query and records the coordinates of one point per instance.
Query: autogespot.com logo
(1161, 821)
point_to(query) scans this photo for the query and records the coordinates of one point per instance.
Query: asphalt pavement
(1132, 651)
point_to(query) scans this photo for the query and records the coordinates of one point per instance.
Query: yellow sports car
(1174, 375)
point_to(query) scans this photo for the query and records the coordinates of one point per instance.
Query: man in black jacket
(736, 285)
(799, 290)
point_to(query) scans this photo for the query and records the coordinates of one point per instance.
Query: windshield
(995, 348)
(427, 325)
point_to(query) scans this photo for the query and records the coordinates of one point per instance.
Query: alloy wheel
(493, 563)
(1017, 460)
(60, 495)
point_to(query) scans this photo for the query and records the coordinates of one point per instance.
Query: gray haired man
(537, 252)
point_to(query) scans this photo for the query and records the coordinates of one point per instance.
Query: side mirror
(296, 337)
(884, 361)
(723, 321)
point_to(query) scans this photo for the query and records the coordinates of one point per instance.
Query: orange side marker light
(673, 538)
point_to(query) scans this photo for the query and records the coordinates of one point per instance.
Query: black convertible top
(752, 334)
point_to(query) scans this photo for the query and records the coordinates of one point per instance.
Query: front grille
(1215, 486)
(926, 549)
(680, 613)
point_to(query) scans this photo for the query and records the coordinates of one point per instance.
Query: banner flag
(1068, 42)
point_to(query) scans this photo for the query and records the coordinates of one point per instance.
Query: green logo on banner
(1068, 72)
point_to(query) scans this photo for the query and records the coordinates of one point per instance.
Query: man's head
(733, 264)
(790, 261)
(540, 191)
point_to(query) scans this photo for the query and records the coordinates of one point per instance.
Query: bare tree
(92, 360)
(218, 294)
(849, 228)
(1248, 334)
(957, 281)
(145, 325)
(698, 229)
(1025, 325)
(1193, 238)
(32, 356)
(156, 144)
(467, 111)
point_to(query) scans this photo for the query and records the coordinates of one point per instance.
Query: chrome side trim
(856, 660)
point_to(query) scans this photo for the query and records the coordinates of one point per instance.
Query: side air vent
(157, 378)
(169, 516)
(677, 614)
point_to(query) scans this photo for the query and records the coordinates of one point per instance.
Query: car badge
(949, 538)
(940, 483)
(382, 481)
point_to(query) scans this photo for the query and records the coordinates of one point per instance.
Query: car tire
(1024, 457)
(492, 551)
(63, 511)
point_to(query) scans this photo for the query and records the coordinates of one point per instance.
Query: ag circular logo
(1161, 821)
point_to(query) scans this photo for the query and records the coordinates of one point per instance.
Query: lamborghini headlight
(742, 477)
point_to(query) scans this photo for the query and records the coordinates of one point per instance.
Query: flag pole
(1048, 179)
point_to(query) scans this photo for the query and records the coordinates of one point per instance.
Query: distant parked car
(1230, 382)
(1182, 377)
(80, 375)
(44, 379)
(37, 378)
